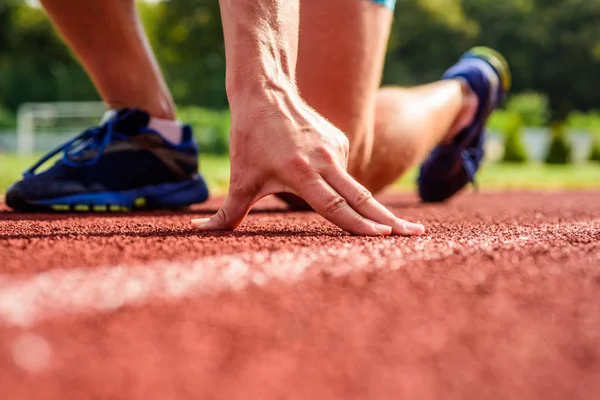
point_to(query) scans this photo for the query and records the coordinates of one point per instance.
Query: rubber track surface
(500, 300)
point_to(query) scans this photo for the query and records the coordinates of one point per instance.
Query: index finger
(363, 202)
(327, 202)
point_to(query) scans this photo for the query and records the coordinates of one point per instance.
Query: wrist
(257, 80)
(248, 91)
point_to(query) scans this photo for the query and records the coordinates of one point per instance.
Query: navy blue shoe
(121, 165)
(450, 167)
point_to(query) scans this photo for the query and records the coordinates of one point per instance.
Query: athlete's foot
(121, 165)
(453, 163)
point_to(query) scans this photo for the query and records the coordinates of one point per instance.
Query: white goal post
(54, 123)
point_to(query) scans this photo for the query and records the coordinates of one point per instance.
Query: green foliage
(560, 148)
(188, 41)
(589, 121)
(211, 128)
(552, 47)
(514, 149)
(34, 64)
(595, 152)
(7, 119)
(531, 107)
(500, 120)
(427, 36)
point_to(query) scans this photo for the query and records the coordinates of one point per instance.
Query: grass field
(492, 176)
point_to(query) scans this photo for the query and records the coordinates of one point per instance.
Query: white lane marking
(60, 292)
(27, 301)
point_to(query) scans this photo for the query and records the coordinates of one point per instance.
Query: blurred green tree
(514, 149)
(559, 151)
(188, 39)
(531, 107)
(595, 151)
(34, 64)
(553, 47)
(426, 37)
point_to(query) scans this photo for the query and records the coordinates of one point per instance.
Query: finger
(327, 202)
(230, 215)
(365, 204)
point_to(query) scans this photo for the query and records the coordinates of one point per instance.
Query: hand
(281, 145)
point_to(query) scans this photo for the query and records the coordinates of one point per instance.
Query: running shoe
(121, 165)
(451, 166)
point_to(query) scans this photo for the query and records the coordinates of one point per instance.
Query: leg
(119, 60)
(410, 122)
(130, 161)
(340, 60)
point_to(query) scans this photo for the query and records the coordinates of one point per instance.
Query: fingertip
(411, 229)
(200, 223)
(382, 230)
(419, 231)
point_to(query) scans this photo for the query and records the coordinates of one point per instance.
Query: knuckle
(335, 204)
(324, 154)
(222, 214)
(359, 222)
(296, 163)
(300, 170)
(362, 197)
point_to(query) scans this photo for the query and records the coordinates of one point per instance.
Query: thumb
(230, 215)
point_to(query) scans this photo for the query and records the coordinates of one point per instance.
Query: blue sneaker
(121, 165)
(450, 167)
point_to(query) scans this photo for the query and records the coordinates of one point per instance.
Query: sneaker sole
(167, 196)
(497, 61)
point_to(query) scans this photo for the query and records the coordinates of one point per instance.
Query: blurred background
(547, 135)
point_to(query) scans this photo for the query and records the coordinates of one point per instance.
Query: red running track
(500, 300)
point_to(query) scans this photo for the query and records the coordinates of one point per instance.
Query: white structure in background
(43, 126)
(53, 123)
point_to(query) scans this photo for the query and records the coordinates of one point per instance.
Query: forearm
(261, 43)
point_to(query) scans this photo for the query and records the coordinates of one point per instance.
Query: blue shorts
(388, 3)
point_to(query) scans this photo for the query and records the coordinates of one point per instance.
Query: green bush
(589, 121)
(532, 107)
(560, 148)
(500, 121)
(595, 153)
(514, 149)
(211, 128)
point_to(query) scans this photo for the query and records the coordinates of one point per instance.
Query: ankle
(466, 115)
(169, 129)
(163, 109)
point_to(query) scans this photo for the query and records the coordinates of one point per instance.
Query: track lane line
(25, 302)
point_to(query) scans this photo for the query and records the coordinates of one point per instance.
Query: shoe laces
(95, 139)
(471, 157)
